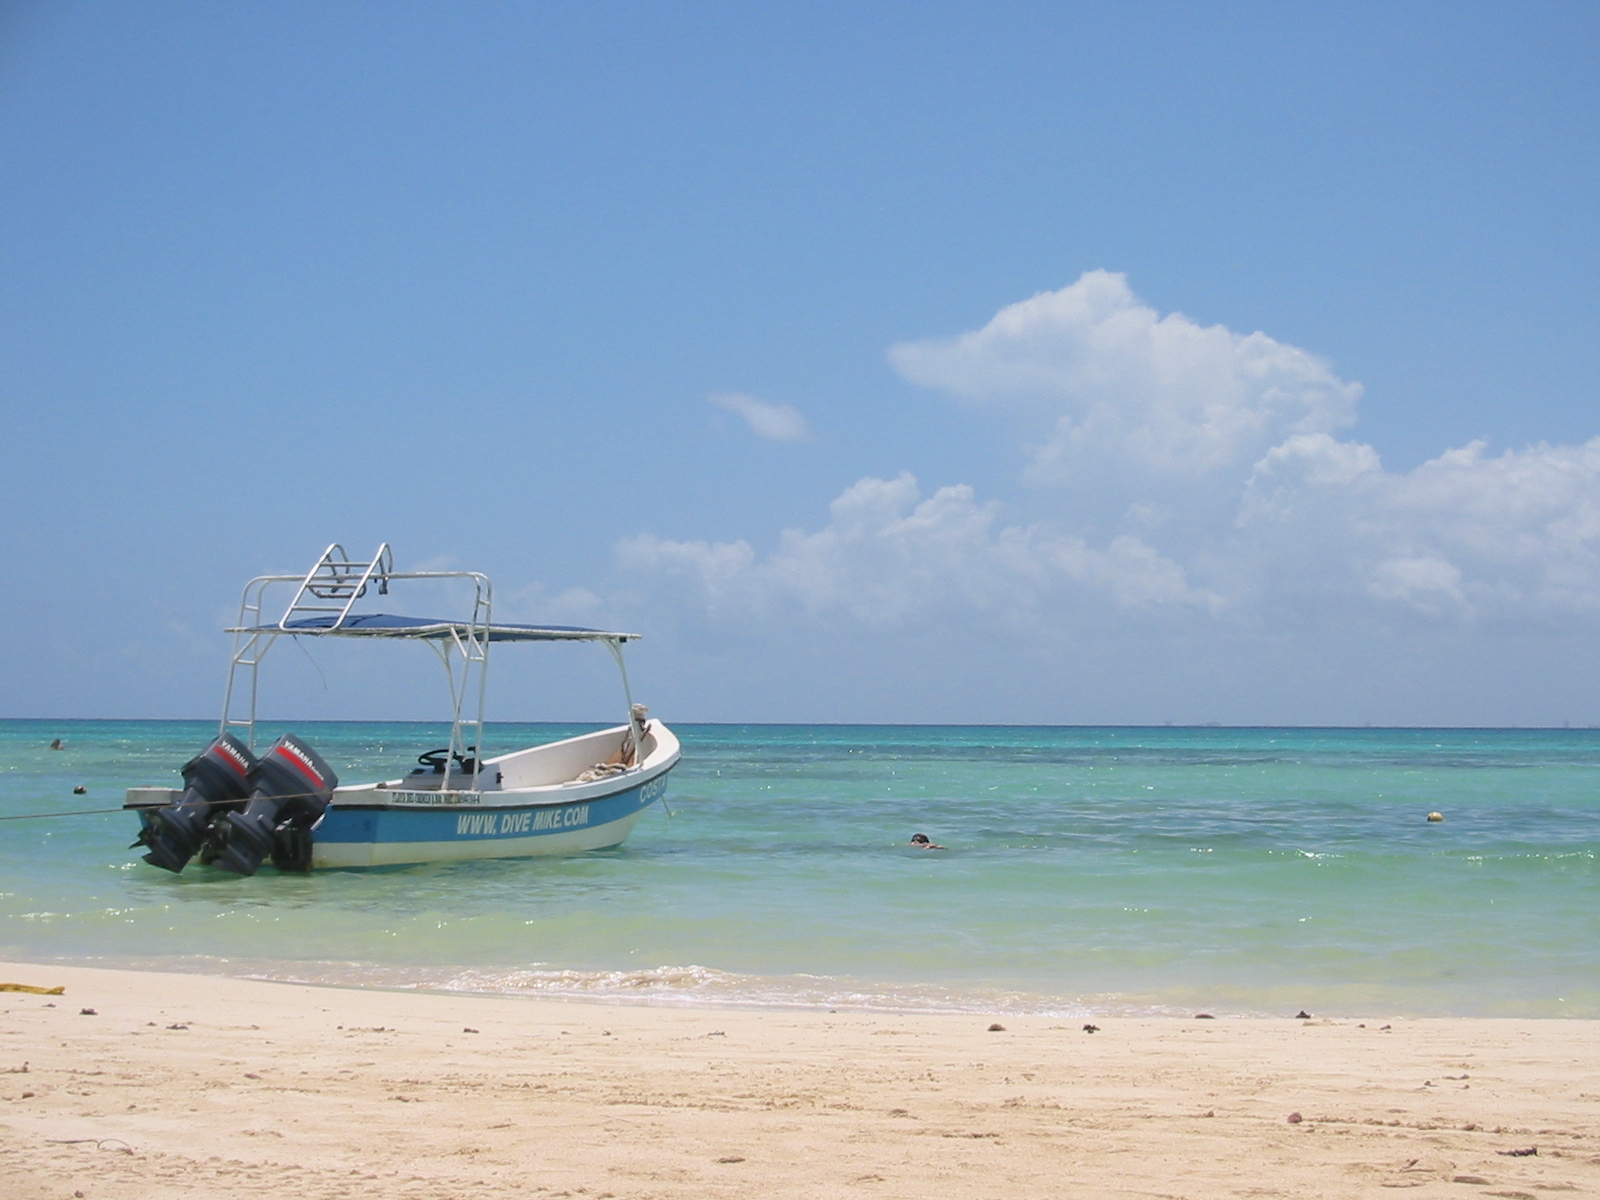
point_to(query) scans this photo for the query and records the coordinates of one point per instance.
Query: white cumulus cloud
(1110, 375)
(768, 419)
(1510, 536)
(888, 555)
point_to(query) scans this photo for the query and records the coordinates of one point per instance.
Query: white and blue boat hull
(562, 798)
(362, 835)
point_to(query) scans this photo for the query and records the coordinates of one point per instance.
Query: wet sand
(180, 1085)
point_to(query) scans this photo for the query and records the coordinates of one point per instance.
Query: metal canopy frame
(326, 595)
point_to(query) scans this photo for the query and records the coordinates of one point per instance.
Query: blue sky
(604, 299)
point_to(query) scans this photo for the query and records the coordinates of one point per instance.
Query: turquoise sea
(1092, 871)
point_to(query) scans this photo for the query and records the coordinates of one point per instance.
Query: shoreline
(693, 986)
(182, 1084)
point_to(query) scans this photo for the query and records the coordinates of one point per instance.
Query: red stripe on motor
(303, 767)
(241, 767)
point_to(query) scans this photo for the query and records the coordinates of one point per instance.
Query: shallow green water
(1238, 871)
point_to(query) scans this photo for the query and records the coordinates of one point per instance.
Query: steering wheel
(435, 758)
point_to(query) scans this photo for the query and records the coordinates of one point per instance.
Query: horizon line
(1216, 725)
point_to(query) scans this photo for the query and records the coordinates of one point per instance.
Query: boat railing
(329, 591)
(322, 604)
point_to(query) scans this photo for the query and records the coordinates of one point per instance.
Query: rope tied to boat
(603, 770)
(81, 812)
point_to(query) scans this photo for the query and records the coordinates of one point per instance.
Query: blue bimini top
(385, 625)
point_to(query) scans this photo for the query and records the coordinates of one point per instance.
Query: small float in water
(238, 809)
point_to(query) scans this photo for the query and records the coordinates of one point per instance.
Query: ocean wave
(695, 986)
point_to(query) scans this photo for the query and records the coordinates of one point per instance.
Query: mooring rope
(82, 812)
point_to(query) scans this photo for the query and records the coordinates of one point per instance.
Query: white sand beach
(179, 1085)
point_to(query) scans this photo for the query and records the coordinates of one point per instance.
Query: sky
(999, 363)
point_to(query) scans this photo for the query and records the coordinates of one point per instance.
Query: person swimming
(921, 842)
(56, 745)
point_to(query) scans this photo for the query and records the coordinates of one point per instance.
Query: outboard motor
(291, 787)
(218, 775)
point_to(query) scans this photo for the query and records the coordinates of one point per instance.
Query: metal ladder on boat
(469, 647)
(336, 578)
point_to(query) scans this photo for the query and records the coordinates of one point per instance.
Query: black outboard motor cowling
(220, 774)
(291, 787)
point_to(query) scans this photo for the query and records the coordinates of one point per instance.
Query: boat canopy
(323, 605)
(386, 625)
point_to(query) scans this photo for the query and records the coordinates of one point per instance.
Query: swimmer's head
(919, 839)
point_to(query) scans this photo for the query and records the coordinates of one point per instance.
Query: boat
(238, 808)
